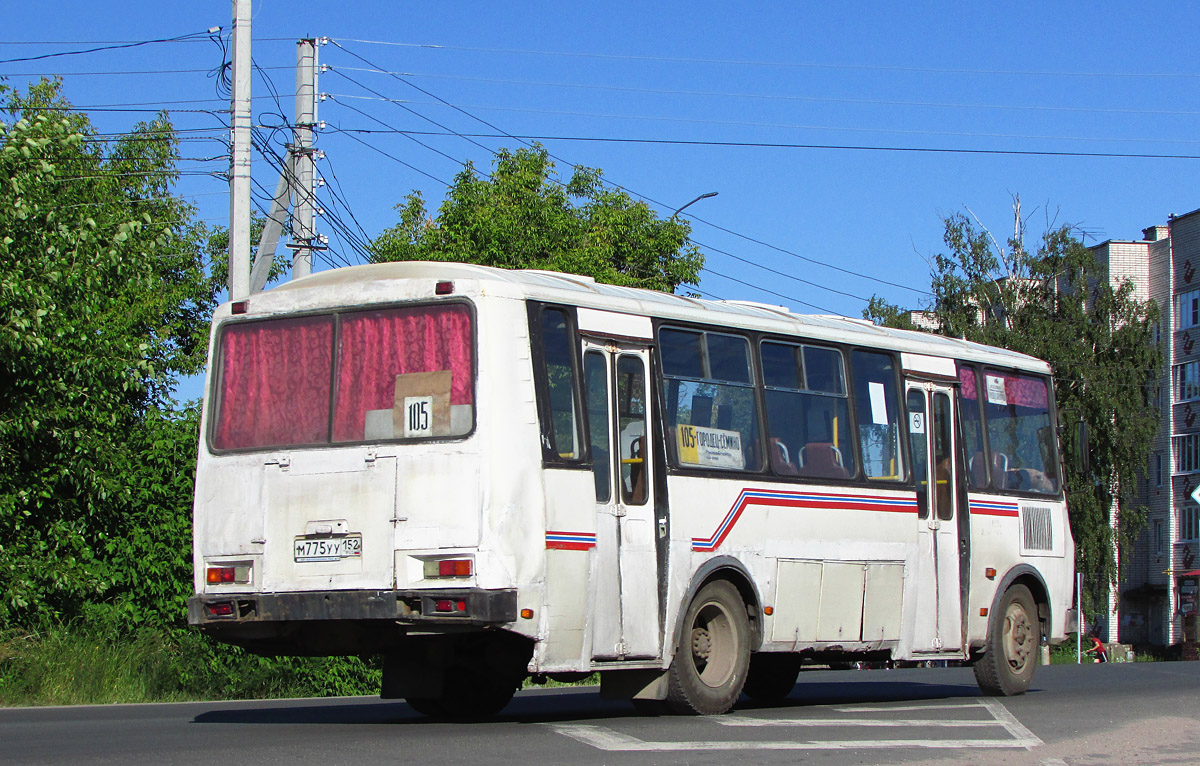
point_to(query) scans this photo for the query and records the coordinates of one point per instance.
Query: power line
(661, 205)
(417, 141)
(415, 113)
(833, 147)
(776, 272)
(792, 126)
(779, 64)
(760, 288)
(119, 72)
(191, 37)
(784, 97)
(396, 159)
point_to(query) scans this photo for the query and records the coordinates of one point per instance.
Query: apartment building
(1156, 601)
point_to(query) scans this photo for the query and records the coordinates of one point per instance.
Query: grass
(90, 664)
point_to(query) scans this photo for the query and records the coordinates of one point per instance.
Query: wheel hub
(701, 643)
(1018, 645)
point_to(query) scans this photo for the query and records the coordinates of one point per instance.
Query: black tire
(1011, 654)
(772, 676)
(466, 696)
(426, 706)
(713, 652)
(473, 696)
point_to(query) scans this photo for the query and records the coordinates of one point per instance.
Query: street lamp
(706, 195)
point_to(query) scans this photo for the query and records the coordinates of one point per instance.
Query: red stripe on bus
(561, 545)
(805, 500)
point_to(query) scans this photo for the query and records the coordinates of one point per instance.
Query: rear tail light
(449, 605)
(448, 568)
(220, 609)
(228, 574)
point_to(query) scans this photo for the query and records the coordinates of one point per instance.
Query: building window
(1187, 453)
(1187, 381)
(1160, 537)
(1189, 522)
(1158, 471)
(1187, 308)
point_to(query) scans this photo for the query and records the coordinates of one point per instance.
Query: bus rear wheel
(467, 696)
(1010, 655)
(713, 653)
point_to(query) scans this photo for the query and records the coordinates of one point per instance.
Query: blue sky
(1099, 78)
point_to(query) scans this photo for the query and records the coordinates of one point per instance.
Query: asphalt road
(1144, 713)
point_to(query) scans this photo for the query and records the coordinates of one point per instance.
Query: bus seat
(781, 461)
(822, 459)
(1000, 475)
(978, 467)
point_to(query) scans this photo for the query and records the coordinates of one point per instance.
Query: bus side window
(875, 403)
(559, 376)
(918, 435)
(808, 414)
(708, 388)
(595, 373)
(631, 419)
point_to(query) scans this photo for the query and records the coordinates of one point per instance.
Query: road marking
(899, 708)
(607, 739)
(1010, 722)
(603, 738)
(732, 721)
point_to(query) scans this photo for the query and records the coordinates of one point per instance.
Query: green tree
(523, 217)
(104, 302)
(1057, 303)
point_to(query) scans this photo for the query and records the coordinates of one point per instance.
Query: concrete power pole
(239, 165)
(296, 181)
(306, 117)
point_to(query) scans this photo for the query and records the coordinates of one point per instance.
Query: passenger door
(624, 607)
(932, 436)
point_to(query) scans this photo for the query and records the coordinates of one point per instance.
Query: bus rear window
(390, 374)
(274, 383)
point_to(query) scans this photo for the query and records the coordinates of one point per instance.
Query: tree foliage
(103, 303)
(523, 217)
(1057, 303)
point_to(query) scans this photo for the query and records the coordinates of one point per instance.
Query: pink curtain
(377, 346)
(1019, 390)
(274, 383)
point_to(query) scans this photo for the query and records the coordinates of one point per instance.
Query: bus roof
(360, 285)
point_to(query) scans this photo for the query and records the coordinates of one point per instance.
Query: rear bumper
(467, 607)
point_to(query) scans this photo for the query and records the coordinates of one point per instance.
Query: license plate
(328, 548)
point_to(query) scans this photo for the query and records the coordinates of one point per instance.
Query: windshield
(1016, 409)
(398, 373)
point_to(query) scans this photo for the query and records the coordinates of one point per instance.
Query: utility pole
(296, 181)
(302, 151)
(239, 165)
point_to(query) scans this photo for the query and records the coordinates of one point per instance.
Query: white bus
(487, 475)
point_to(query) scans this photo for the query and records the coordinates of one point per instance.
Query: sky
(837, 135)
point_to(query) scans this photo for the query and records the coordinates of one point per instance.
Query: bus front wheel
(713, 652)
(1010, 655)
